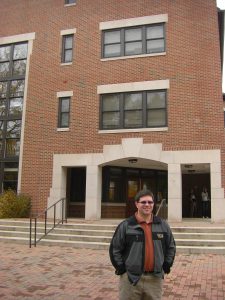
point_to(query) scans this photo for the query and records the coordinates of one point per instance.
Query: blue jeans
(205, 208)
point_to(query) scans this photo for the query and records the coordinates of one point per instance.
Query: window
(13, 60)
(67, 48)
(64, 112)
(70, 1)
(144, 109)
(146, 39)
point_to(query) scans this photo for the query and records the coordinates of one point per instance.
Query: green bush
(14, 205)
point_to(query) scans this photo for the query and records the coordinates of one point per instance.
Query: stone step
(199, 242)
(204, 229)
(199, 235)
(81, 234)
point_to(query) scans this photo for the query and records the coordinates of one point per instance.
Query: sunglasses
(146, 202)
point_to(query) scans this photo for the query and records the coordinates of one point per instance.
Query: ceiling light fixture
(132, 160)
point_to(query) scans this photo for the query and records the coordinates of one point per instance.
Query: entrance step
(204, 238)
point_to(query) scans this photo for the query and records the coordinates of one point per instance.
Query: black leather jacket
(127, 248)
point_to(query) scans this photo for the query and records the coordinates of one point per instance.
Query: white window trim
(17, 38)
(68, 31)
(133, 22)
(71, 4)
(63, 129)
(64, 94)
(132, 130)
(133, 86)
(133, 56)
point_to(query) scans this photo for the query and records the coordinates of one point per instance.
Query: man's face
(145, 205)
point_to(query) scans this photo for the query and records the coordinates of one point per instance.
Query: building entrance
(120, 186)
(193, 184)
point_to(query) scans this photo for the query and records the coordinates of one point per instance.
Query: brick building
(102, 98)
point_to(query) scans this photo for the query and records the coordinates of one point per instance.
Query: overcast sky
(221, 3)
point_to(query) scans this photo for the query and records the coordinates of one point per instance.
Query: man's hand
(121, 270)
(166, 267)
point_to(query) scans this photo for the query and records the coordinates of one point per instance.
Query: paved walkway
(63, 273)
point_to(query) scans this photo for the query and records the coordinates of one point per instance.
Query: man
(142, 250)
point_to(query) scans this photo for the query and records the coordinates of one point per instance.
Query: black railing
(56, 221)
(162, 209)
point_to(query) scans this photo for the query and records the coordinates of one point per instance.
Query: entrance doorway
(76, 190)
(194, 182)
(120, 185)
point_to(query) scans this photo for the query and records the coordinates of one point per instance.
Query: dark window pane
(17, 88)
(133, 34)
(64, 120)
(154, 46)
(112, 50)
(2, 107)
(19, 67)
(133, 101)
(15, 106)
(154, 32)
(133, 119)
(70, 1)
(69, 42)
(156, 100)
(65, 105)
(11, 165)
(133, 48)
(4, 69)
(3, 89)
(10, 180)
(20, 51)
(5, 53)
(110, 103)
(156, 117)
(112, 37)
(111, 120)
(1, 128)
(13, 128)
(68, 56)
(12, 147)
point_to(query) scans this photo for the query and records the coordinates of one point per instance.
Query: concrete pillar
(93, 193)
(217, 194)
(174, 193)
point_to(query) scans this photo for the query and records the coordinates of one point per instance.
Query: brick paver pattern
(64, 273)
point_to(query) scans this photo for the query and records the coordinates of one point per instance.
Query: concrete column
(217, 194)
(93, 193)
(174, 193)
(58, 191)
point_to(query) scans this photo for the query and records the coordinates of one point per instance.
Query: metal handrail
(45, 213)
(160, 206)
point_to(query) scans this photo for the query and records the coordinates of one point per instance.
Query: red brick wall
(191, 63)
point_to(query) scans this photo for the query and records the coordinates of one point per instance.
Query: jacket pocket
(134, 260)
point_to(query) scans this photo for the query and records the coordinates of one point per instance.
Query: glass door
(133, 186)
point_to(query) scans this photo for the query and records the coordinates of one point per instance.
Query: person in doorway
(205, 203)
(193, 204)
(142, 250)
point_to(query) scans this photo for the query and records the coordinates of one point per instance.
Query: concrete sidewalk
(63, 273)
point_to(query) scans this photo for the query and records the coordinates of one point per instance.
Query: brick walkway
(62, 273)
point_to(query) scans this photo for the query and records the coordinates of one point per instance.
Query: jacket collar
(133, 221)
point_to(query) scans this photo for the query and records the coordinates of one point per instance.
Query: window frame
(144, 110)
(68, 3)
(123, 43)
(60, 113)
(64, 49)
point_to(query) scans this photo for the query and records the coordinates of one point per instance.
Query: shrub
(14, 206)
